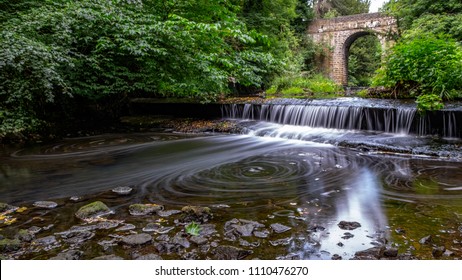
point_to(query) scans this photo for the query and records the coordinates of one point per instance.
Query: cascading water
(352, 115)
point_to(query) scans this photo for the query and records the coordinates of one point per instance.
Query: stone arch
(347, 45)
(339, 33)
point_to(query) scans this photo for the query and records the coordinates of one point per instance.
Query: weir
(389, 119)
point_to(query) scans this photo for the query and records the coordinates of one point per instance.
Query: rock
(448, 253)
(7, 208)
(151, 227)
(92, 210)
(180, 239)
(278, 228)
(45, 204)
(244, 230)
(261, 234)
(108, 257)
(347, 235)
(373, 253)
(400, 231)
(190, 256)
(144, 209)
(25, 235)
(68, 255)
(349, 225)
(336, 257)
(207, 230)
(149, 257)
(34, 229)
(75, 198)
(438, 251)
(122, 190)
(136, 239)
(426, 240)
(340, 244)
(279, 242)
(126, 227)
(198, 240)
(108, 224)
(196, 214)
(78, 237)
(391, 252)
(224, 252)
(168, 213)
(45, 241)
(316, 228)
(9, 245)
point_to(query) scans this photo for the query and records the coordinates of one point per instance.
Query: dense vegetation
(62, 59)
(426, 62)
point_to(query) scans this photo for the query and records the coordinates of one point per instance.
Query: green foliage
(409, 11)
(429, 102)
(423, 65)
(303, 86)
(193, 229)
(364, 59)
(55, 50)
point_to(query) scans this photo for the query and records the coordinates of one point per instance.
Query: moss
(144, 209)
(9, 245)
(92, 210)
(5, 207)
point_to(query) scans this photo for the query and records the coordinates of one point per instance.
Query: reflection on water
(261, 178)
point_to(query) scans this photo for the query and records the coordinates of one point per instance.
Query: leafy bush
(423, 64)
(429, 102)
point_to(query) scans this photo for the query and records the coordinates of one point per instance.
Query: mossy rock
(144, 209)
(6, 207)
(9, 245)
(92, 210)
(196, 214)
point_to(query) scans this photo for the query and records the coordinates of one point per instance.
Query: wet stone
(373, 253)
(168, 213)
(347, 235)
(181, 240)
(7, 208)
(25, 235)
(108, 257)
(75, 198)
(261, 234)
(151, 227)
(207, 230)
(279, 242)
(78, 237)
(426, 240)
(348, 225)
(45, 204)
(126, 227)
(163, 237)
(9, 245)
(46, 241)
(144, 209)
(278, 228)
(149, 257)
(437, 252)
(391, 252)
(336, 257)
(136, 239)
(198, 240)
(224, 252)
(68, 255)
(34, 229)
(108, 224)
(246, 243)
(92, 210)
(122, 190)
(196, 214)
(244, 230)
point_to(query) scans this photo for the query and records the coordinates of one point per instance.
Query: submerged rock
(92, 210)
(224, 252)
(278, 228)
(195, 214)
(144, 209)
(9, 245)
(7, 208)
(68, 255)
(349, 225)
(45, 204)
(136, 239)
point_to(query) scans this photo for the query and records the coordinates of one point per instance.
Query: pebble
(122, 190)
(45, 204)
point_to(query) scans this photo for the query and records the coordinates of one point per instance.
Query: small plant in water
(193, 229)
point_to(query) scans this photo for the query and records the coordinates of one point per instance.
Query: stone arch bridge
(337, 34)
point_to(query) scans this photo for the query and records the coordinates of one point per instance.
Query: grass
(303, 87)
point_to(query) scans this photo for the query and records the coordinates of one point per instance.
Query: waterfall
(396, 119)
